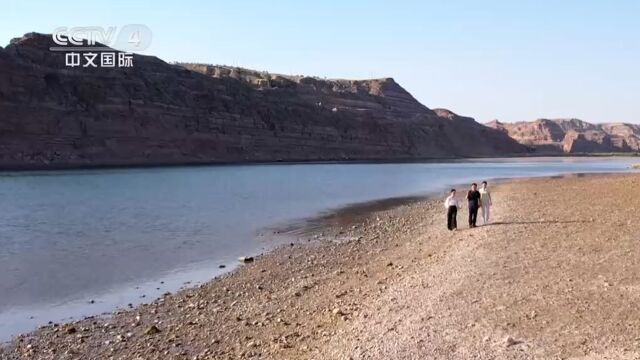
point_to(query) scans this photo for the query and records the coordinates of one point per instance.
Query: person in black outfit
(473, 197)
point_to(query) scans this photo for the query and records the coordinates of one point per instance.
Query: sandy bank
(556, 276)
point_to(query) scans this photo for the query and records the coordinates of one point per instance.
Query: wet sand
(556, 276)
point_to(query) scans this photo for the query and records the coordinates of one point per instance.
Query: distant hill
(158, 113)
(572, 135)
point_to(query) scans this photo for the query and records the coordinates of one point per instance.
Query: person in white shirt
(452, 205)
(485, 201)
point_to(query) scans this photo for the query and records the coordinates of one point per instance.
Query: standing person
(485, 201)
(452, 205)
(473, 198)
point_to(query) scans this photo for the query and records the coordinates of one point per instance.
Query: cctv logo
(130, 38)
(79, 45)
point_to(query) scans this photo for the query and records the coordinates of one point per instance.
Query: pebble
(509, 341)
(152, 330)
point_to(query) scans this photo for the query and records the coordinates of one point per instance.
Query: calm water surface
(128, 235)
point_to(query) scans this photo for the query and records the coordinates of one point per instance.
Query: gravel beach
(555, 276)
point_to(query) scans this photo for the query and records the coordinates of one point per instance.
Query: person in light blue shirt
(485, 203)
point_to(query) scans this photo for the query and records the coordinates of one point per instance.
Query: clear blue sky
(510, 60)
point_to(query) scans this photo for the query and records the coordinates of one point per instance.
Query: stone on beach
(510, 341)
(152, 330)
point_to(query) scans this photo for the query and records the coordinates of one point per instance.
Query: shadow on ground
(498, 223)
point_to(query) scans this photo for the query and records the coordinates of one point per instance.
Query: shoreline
(312, 289)
(120, 166)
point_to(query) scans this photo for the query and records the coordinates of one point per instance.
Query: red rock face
(157, 113)
(572, 135)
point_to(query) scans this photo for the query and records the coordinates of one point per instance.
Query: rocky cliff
(573, 135)
(159, 113)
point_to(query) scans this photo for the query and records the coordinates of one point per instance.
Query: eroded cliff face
(158, 113)
(573, 135)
